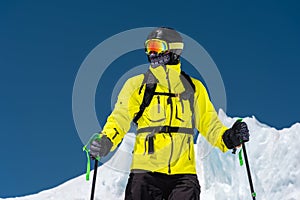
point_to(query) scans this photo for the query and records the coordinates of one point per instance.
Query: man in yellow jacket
(166, 105)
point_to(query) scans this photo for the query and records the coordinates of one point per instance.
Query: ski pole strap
(88, 164)
(240, 120)
(87, 151)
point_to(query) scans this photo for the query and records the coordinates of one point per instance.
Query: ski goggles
(160, 46)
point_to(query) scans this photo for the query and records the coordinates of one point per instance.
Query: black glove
(236, 135)
(100, 147)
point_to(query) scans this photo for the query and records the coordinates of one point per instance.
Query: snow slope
(273, 156)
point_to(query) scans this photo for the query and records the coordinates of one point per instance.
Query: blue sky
(255, 46)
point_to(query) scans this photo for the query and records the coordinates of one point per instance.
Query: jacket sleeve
(127, 105)
(207, 121)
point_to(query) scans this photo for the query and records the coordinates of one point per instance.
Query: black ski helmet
(169, 35)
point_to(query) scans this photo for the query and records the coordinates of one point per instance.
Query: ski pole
(253, 194)
(94, 179)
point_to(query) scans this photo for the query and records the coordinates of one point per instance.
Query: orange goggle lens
(157, 46)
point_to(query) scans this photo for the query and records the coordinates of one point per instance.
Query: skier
(167, 105)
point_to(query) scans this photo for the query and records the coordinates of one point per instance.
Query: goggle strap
(176, 45)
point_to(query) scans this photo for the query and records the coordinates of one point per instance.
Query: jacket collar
(171, 72)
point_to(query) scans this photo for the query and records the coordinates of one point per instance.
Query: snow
(273, 158)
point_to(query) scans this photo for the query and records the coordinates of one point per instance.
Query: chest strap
(161, 129)
(166, 129)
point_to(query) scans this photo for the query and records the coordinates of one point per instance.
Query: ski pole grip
(96, 136)
(235, 149)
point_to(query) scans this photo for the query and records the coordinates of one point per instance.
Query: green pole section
(241, 158)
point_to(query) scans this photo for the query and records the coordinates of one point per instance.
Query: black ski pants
(158, 186)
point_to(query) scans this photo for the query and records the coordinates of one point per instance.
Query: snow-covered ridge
(273, 156)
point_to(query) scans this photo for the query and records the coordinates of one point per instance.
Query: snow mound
(273, 158)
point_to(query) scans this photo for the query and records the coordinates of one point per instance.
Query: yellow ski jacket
(164, 141)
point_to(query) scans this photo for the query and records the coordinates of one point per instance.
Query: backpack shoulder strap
(151, 82)
(190, 89)
(188, 84)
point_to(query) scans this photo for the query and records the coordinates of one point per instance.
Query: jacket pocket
(155, 112)
(183, 111)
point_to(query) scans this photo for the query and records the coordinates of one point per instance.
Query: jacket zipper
(182, 106)
(177, 115)
(171, 154)
(171, 114)
(158, 105)
(189, 141)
